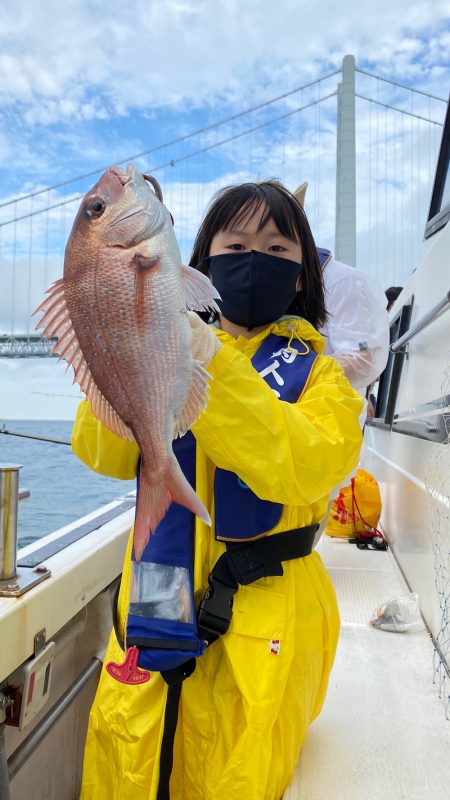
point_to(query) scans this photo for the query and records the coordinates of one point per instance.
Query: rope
(370, 530)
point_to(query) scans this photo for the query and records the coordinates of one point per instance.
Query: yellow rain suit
(245, 711)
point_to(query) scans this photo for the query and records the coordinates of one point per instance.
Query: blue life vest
(161, 619)
(240, 514)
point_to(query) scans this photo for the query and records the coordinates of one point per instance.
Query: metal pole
(430, 316)
(345, 231)
(27, 748)
(30, 436)
(9, 495)
(5, 793)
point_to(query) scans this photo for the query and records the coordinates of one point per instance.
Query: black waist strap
(244, 564)
(240, 564)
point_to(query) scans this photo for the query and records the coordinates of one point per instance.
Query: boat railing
(427, 319)
(9, 496)
(34, 739)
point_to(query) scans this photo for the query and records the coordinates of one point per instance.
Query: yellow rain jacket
(245, 711)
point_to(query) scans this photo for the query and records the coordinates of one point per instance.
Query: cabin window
(430, 421)
(439, 213)
(390, 378)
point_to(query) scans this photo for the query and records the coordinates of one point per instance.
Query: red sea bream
(120, 315)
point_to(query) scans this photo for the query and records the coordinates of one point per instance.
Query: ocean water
(62, 488)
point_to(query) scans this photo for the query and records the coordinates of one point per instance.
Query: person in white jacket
(357, 331)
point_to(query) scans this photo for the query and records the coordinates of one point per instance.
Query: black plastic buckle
(370, 543)
(216, 609)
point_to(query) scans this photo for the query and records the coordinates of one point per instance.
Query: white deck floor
(382, 734)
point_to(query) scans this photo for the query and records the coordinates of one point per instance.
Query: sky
(87, 84)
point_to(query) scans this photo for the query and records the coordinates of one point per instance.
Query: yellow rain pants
(245, 711)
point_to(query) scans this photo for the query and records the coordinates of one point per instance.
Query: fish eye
(96, 207)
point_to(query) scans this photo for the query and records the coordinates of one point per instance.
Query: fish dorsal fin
(196, 400)
(200, 294)
(56, 322)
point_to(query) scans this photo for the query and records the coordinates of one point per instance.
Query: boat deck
(382, 733)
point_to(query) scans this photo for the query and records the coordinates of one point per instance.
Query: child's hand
(205, 343)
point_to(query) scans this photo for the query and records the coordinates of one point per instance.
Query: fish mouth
(124, 176)
(152, 219)
(127, 216)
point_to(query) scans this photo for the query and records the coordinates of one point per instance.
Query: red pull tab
(128, 672)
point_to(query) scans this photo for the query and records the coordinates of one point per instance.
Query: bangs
(249, 198)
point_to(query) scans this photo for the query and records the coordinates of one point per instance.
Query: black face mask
(256, 288)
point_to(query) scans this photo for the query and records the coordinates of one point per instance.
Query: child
(280, 430)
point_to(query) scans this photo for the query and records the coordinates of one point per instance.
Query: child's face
(247, 237)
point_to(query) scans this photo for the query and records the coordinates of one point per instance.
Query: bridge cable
(180, 138)
(182, 158)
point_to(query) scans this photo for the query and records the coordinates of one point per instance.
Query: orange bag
(356, 511)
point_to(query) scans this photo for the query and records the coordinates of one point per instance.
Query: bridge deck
(25, 346)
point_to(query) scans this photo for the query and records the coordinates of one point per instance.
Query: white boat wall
(408, 439)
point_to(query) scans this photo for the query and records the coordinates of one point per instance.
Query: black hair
(232, 205)
(391, 295)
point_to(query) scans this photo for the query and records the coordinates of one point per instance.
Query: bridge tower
(345, 226)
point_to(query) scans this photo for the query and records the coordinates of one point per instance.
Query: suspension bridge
(366, 145)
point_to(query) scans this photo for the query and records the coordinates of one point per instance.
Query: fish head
(121, 210)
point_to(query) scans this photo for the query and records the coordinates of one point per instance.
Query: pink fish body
(120, 315)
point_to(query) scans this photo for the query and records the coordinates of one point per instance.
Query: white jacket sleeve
(361, 367)
(357, 332)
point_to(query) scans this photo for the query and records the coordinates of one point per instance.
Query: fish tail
(182, 492)
(153, 501)
(155, 498)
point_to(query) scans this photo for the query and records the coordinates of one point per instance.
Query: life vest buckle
(215, 610)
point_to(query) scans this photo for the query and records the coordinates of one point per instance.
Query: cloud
(146, 54)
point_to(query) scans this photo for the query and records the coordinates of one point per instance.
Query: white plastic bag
(398, 614)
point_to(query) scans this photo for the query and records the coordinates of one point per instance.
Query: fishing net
(437, 480)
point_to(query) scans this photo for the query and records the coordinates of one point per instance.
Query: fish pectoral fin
(56, 322)
(200, 294)
(196, 400)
